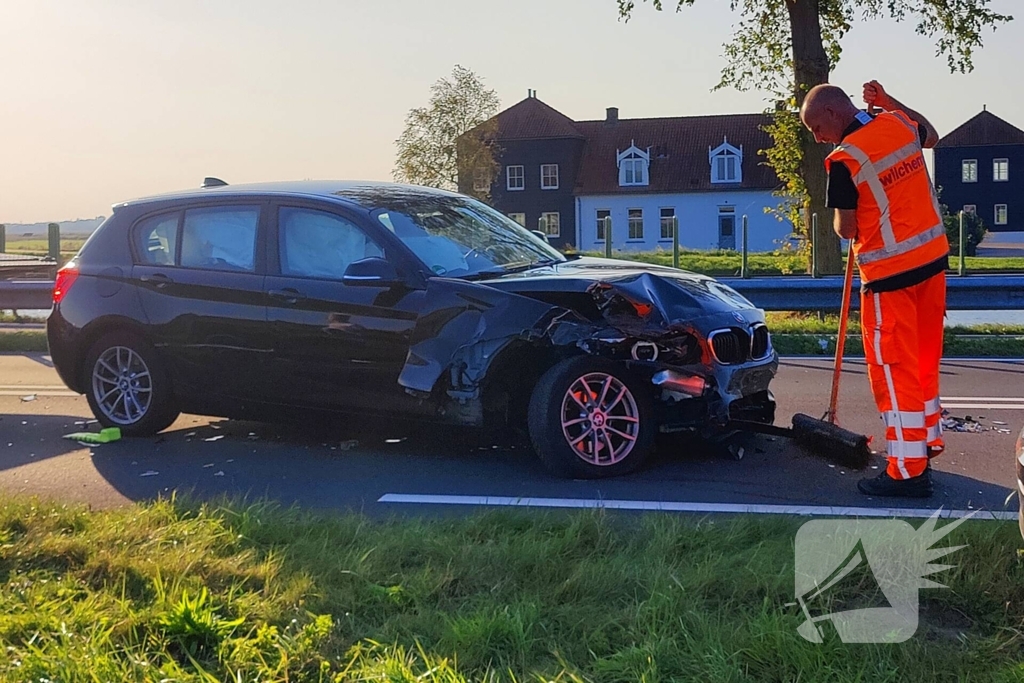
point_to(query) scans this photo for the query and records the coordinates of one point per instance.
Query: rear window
(221, 238)
(157, 239)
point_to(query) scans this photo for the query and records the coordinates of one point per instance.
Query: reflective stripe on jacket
(899, 223)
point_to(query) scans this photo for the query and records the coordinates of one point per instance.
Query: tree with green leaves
(430, 151)
(786, 47)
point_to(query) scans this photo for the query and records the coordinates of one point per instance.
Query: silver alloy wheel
(122, 385)
(600, 419)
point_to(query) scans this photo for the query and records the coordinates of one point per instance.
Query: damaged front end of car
(703, 349)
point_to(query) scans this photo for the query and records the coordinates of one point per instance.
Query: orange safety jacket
(899, 223)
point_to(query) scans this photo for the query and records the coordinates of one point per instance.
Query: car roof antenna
(213, 182)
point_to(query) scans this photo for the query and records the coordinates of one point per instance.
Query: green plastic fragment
(105, 436)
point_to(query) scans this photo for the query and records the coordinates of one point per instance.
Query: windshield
(461, 237)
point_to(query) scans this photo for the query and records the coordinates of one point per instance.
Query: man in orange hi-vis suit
(885, 202)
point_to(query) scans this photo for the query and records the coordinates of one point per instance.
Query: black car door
(336, 345)
(198, 273)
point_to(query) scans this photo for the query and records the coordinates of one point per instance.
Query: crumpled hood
(582, 303)
(676, 295)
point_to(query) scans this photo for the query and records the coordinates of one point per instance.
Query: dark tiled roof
(531, 119)
(983, 129)
(679, 153)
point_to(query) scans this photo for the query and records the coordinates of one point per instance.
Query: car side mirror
(371, 272)
(542, 235)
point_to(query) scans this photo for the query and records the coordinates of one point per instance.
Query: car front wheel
(588, 418)
(127, 386)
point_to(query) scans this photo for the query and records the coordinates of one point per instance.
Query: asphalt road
(425, 470)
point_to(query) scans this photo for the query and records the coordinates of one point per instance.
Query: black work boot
(886, 486)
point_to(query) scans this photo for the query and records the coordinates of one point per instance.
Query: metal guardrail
(778, 293)
(26, 295)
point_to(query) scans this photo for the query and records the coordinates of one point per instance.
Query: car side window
(220, 238)
(317, 244)
(156, 239)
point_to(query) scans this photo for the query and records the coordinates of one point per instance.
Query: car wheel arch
(95, 331)
(511, 376)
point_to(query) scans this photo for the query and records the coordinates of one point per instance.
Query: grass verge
(23, 341)
(249, 592)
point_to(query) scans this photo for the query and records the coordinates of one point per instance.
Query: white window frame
(971, 208)
(546, 168)
(544, 223)
(629, 161)
(516, 215)
(995, 173)
(481, 183)
(599, 224)
(964, 178)
(629, 225)
(661, 222)
(723, 152)
(521, 177)
(1006, 215)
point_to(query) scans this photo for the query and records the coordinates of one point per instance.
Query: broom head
(832, 442)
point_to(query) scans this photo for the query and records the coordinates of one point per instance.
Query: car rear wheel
(589, 419)
(127, 386)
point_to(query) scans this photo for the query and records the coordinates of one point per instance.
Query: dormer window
(634, 166)
(726, 163)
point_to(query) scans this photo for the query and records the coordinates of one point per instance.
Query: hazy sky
(105, 100)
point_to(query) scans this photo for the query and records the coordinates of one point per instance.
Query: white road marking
(984, 406)
(996, 399)
(673, 506)
(859, 360)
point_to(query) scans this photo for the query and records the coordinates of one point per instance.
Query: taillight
(66, 277)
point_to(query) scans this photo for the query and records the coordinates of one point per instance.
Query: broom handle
(841, 339)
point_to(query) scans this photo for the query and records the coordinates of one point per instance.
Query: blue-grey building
(979, 167)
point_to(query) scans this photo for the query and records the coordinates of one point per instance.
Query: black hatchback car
(390, 300)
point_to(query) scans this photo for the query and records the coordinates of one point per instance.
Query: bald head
(827, 111)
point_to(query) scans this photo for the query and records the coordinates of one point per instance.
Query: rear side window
(320, 245)
(157, 239)
(221, 238)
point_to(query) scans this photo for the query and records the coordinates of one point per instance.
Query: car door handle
(287, 295)
(158, 280)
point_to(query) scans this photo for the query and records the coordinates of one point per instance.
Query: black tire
(159, 413)
(545, 421)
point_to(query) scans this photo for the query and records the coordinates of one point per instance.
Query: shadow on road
(351, 464)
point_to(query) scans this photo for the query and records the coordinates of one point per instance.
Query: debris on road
(149, 473)
(26, 399)
(190, 435)
(252, 436)
(219, 474)
(394, 440)
(209, 464)
(215, 438)
(348, 445)
(105, 436)
(965, 424)
(997, 422)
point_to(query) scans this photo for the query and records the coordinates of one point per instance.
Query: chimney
(611, 116)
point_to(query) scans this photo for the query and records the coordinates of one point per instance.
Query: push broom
(824, 437)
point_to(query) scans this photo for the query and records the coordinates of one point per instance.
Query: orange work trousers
(903, 346)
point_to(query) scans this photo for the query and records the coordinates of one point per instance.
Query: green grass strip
(172, 591)
(23, 341)
(953, 346)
